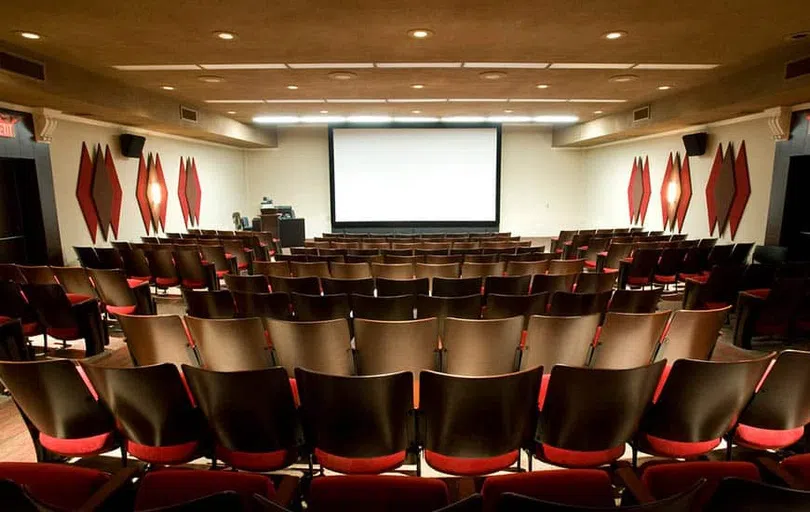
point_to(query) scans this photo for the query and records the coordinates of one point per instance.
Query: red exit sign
(7, 126)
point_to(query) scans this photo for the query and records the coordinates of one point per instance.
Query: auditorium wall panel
(220, 169)
(539, 184)
(607, 173)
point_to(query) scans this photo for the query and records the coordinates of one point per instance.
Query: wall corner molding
(45, 121)
(779, 122)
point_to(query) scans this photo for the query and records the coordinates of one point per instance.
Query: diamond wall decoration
(181, 192)
(646, 189)
(160, 179)
(142, 193)
(671, 191)
(194, 192)
(686, 192)
(742, 190)
(99, 193)
(634, 190)
(84, 192)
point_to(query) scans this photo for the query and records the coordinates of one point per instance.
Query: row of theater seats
(455, 345)
(402, 305)
(687, 486)
(460, 425)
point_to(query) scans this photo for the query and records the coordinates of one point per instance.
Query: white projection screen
(399, 177)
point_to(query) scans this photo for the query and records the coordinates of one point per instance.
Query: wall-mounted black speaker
(695, 143)
(132, 145)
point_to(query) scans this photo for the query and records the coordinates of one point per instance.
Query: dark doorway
(22, 231)
(796, 215)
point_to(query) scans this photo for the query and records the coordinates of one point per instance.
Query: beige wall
(220, 169)
(537, 181)
(607, 173)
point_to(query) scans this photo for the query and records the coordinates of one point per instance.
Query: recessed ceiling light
(354, 100)
(292, 87)
(242, 66)
(324, 111)
(330, 65)
(369, 119)
(798, 36)
(416, 100)
(507, 65)
(234, 101)
(676, 67)
(537, 100)
(29, 35)
(491, 75)
(225, 36)
(342, 75)
(477, 100)
(623, 78)
(542, 86)
(293, 101)
(417, 86)
(590, 65)
(416, 111)
(211, 79)
(597, 112)
(232, 112)
(420, 33)
(158, 67)
(417, 65)
(616, 34)
(595, 100)
(508, 111)
(664, 87)
(167, 87)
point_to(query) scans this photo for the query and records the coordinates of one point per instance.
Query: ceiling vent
(797, 68)
(188, 114)
(641, 114)
(20, 66)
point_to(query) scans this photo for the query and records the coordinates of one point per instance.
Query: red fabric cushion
(377, 493)
(166, 282)
(31, 329)
(64, 333)
(194, 283)
(665, 480)
(798, 466)
(678, 449)
(122, 310)
(175, 454)
(76, 298)
(714, 305)
(638, 281)
(242, 266)
(664, 279)
(577, 459)
(135, 282)
(590, 264)
(294, 389)
(579, 487)
(221, 273)
(464, 466)
(251, 461)
(143, 279)
(57, 485)
(371, 465)
(164, 488)
(698, 278)
(766, 439)
(762, 293)
(80, 447)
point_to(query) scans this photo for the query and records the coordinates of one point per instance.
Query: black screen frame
(416, 224)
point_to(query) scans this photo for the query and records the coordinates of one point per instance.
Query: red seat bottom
(175, 454)
(80, 447)
(679, 449)
(250, 461)
(463, 466)
(579, 459)
(766, 439)
(371, 465)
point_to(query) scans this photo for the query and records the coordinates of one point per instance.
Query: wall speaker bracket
(779, 122)
(45, 122)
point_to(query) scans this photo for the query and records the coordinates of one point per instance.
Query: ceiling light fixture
(322, 119)
(276, 119)
(537, 100)
(542, 86)
(158, 67)
(589, 65)
(369, 119)
(210, 79)
(234, 101)
(416, 111)
(417, 86)
(676, 67)
(29, 35)
(225, 36)
(622, 78)
(595, 100)
(417, 100)
(555, 119)
(292, 87)
(491, 75)
(477, 100)
(508, 111)
(597, 112)
(331, 65)
(342, 75)
(507, 65)
(420, 33)
(294, 101)
(324, 111)
(232, 112)
(407, 119)
(616, 34)
(464, 119)
(167, 87)
(353, 100)
(417, 65)
(509, 119)
(215, 67)
(664, 87)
